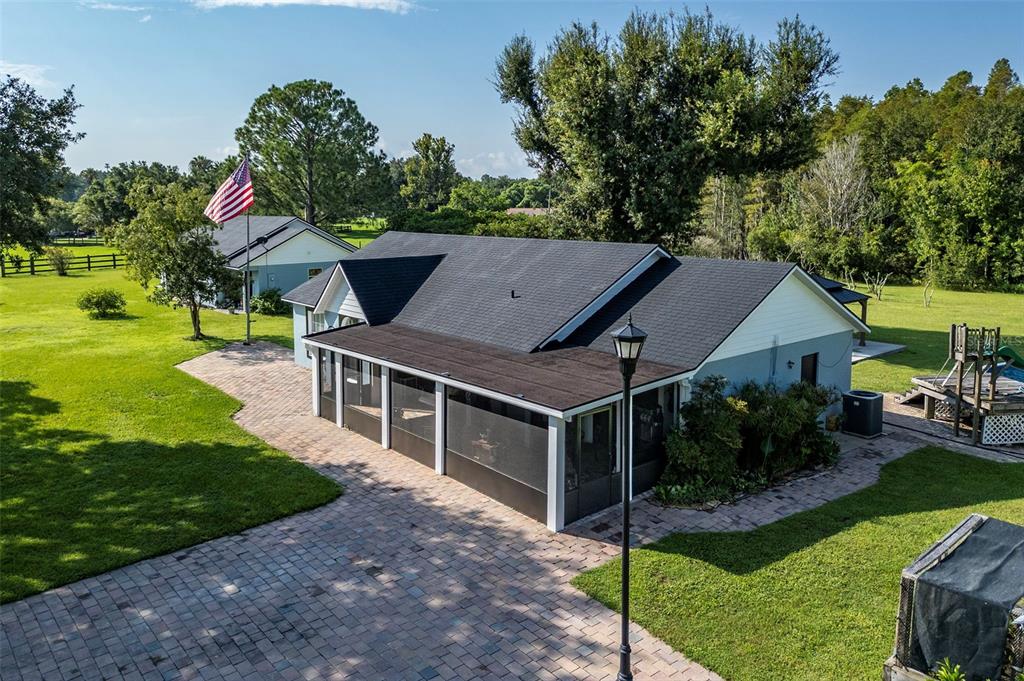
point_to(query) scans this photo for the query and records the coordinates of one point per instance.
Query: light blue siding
(284, 277)
(299, 330)
(765, 366)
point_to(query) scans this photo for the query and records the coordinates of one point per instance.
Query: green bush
(60, 259)
(102, 303)
(269, 302)
(728, 445)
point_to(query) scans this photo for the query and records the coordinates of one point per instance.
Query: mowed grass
(109, 453)
(360, 231)
(812, 597)
(102, 249)
(901, 317)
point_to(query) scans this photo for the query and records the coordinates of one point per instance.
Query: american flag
(233, 197)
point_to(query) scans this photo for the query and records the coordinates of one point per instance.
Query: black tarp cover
(962, 605)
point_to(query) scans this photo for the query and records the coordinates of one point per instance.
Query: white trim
(316, 382)
(440, 406)
(339, 397)
(501, 397)
(321, 303)
(723, 351)
(600, 301)
(385, 407)
(556, 474)
(617, 397)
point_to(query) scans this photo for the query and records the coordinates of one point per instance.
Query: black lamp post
(628, 340)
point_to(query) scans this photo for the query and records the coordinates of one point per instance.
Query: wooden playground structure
(985, 384)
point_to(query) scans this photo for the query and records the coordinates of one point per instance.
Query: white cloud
(33, 74)
(396, 6)
(224, 152)
(496, 163)
(145, 18)
(114, 7)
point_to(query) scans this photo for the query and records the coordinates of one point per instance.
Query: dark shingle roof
(688, 306)
(273, 229)
(560, 379)
(838, 291)
(469, 293)
(308, 292)
(383, 286)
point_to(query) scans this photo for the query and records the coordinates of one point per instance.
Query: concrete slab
(874, 350)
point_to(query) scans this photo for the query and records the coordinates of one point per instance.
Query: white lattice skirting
(1003, 429)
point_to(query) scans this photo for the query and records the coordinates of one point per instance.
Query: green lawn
(360, 231)
(900, 317)
(812, 596)
(110, 454)
(75, 250)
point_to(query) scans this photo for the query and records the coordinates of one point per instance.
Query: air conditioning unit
(862, 413)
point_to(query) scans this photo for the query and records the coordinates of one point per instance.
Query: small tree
(59, 258)
(169, 247)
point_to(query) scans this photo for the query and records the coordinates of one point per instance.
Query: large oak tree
(633, 125)
(312, 153)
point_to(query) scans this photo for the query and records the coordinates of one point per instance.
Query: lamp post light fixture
(629, 341)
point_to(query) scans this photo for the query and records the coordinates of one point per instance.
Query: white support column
(556, 473)
(316, 381)
(440, 431)
(385, 408)
(339, 397)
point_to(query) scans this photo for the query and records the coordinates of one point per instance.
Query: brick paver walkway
(409, 575)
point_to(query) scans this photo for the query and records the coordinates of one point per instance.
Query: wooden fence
(76, 241)
(42, 265)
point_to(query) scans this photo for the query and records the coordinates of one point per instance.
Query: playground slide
(1008, 353)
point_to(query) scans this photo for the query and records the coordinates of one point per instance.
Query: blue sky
(164, 81)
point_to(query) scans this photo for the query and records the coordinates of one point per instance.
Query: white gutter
(675, 378)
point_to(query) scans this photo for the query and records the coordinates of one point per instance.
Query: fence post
(3, 270)
(31, 264)
(114, 256)
(88, 262)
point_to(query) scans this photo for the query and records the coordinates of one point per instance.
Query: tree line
(677, 129)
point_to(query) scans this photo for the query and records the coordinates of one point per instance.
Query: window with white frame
(317, 322)
(313, 271)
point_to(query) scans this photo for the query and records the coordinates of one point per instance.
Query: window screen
(361, 381)
(505, 438)
(413, 404)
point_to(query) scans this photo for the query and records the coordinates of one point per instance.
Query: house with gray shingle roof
(489, 359)
(284, 250)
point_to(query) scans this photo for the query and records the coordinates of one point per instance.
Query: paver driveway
(408, 575)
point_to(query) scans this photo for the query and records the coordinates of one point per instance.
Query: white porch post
(556, 473)
(316, 381)
(440, 433)
(339, 397)
(385, 408)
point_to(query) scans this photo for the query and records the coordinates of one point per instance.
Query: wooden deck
(1009, 394)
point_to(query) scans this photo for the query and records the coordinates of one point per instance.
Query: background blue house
(284, 250)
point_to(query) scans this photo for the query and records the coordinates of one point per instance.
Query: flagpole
(245, 287)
